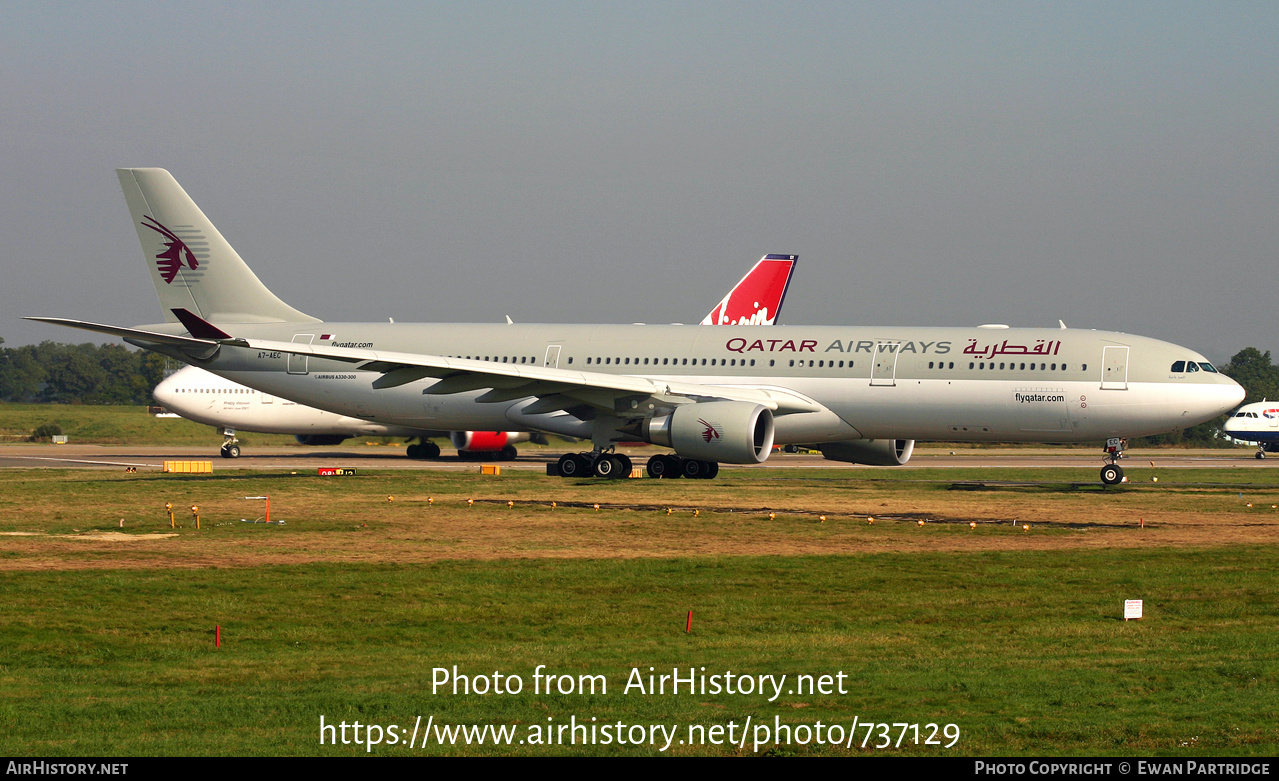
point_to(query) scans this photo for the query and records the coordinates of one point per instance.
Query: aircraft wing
(556, 388)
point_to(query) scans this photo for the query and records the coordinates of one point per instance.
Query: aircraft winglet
(199, 327)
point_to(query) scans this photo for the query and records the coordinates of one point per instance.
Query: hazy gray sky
(1115, 165)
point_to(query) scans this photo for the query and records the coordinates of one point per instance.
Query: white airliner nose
(1227, 397)
(1205, 401)
(166, 393)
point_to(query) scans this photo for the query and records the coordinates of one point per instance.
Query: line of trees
(57, 373)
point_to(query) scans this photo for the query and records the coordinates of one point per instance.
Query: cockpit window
(1180, 367)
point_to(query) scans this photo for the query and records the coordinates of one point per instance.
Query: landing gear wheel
(1261, 454)
(607, 467)
(691, 468)
(572, 465)
(627, 466)
(659, 467)
(230, 451)
(413, 451)
(1111, 474)
(508, 453)
(699, 470)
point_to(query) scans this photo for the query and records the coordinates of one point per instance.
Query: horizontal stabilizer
(136, 334)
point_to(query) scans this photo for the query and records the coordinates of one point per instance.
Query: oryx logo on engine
(711, 432)
(175, 252)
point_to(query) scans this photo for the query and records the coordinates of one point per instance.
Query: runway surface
(382, 457)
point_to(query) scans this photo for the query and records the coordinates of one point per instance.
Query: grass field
(1014, 635)
(113, 425)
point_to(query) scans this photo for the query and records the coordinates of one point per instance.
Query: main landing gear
(427, 450)
(1111, 473)
(231, 445)
(671, 466)
(615, 465)
(611, 466)
(507, 453)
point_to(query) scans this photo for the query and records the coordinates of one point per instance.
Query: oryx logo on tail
(175, 252)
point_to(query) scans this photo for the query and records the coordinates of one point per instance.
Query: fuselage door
(297, 363)
(883, 366)
(1114, 368)
(552, 356)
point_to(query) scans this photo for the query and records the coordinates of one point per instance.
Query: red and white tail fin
(757, 299)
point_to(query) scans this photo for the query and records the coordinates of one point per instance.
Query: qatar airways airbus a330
(714, 395)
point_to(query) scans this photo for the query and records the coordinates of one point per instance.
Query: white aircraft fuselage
(955, 384)
(204, 397)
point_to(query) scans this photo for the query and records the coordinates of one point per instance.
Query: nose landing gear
(230, 445)
(1112, 473)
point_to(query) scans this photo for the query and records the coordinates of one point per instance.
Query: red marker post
(268, 505)
(689, 626)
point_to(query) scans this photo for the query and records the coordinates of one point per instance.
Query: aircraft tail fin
(193, 267)
(756, 299)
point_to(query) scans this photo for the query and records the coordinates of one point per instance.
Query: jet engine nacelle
(486, 441)
(320, 439)
(875, 452)
(733, 432)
